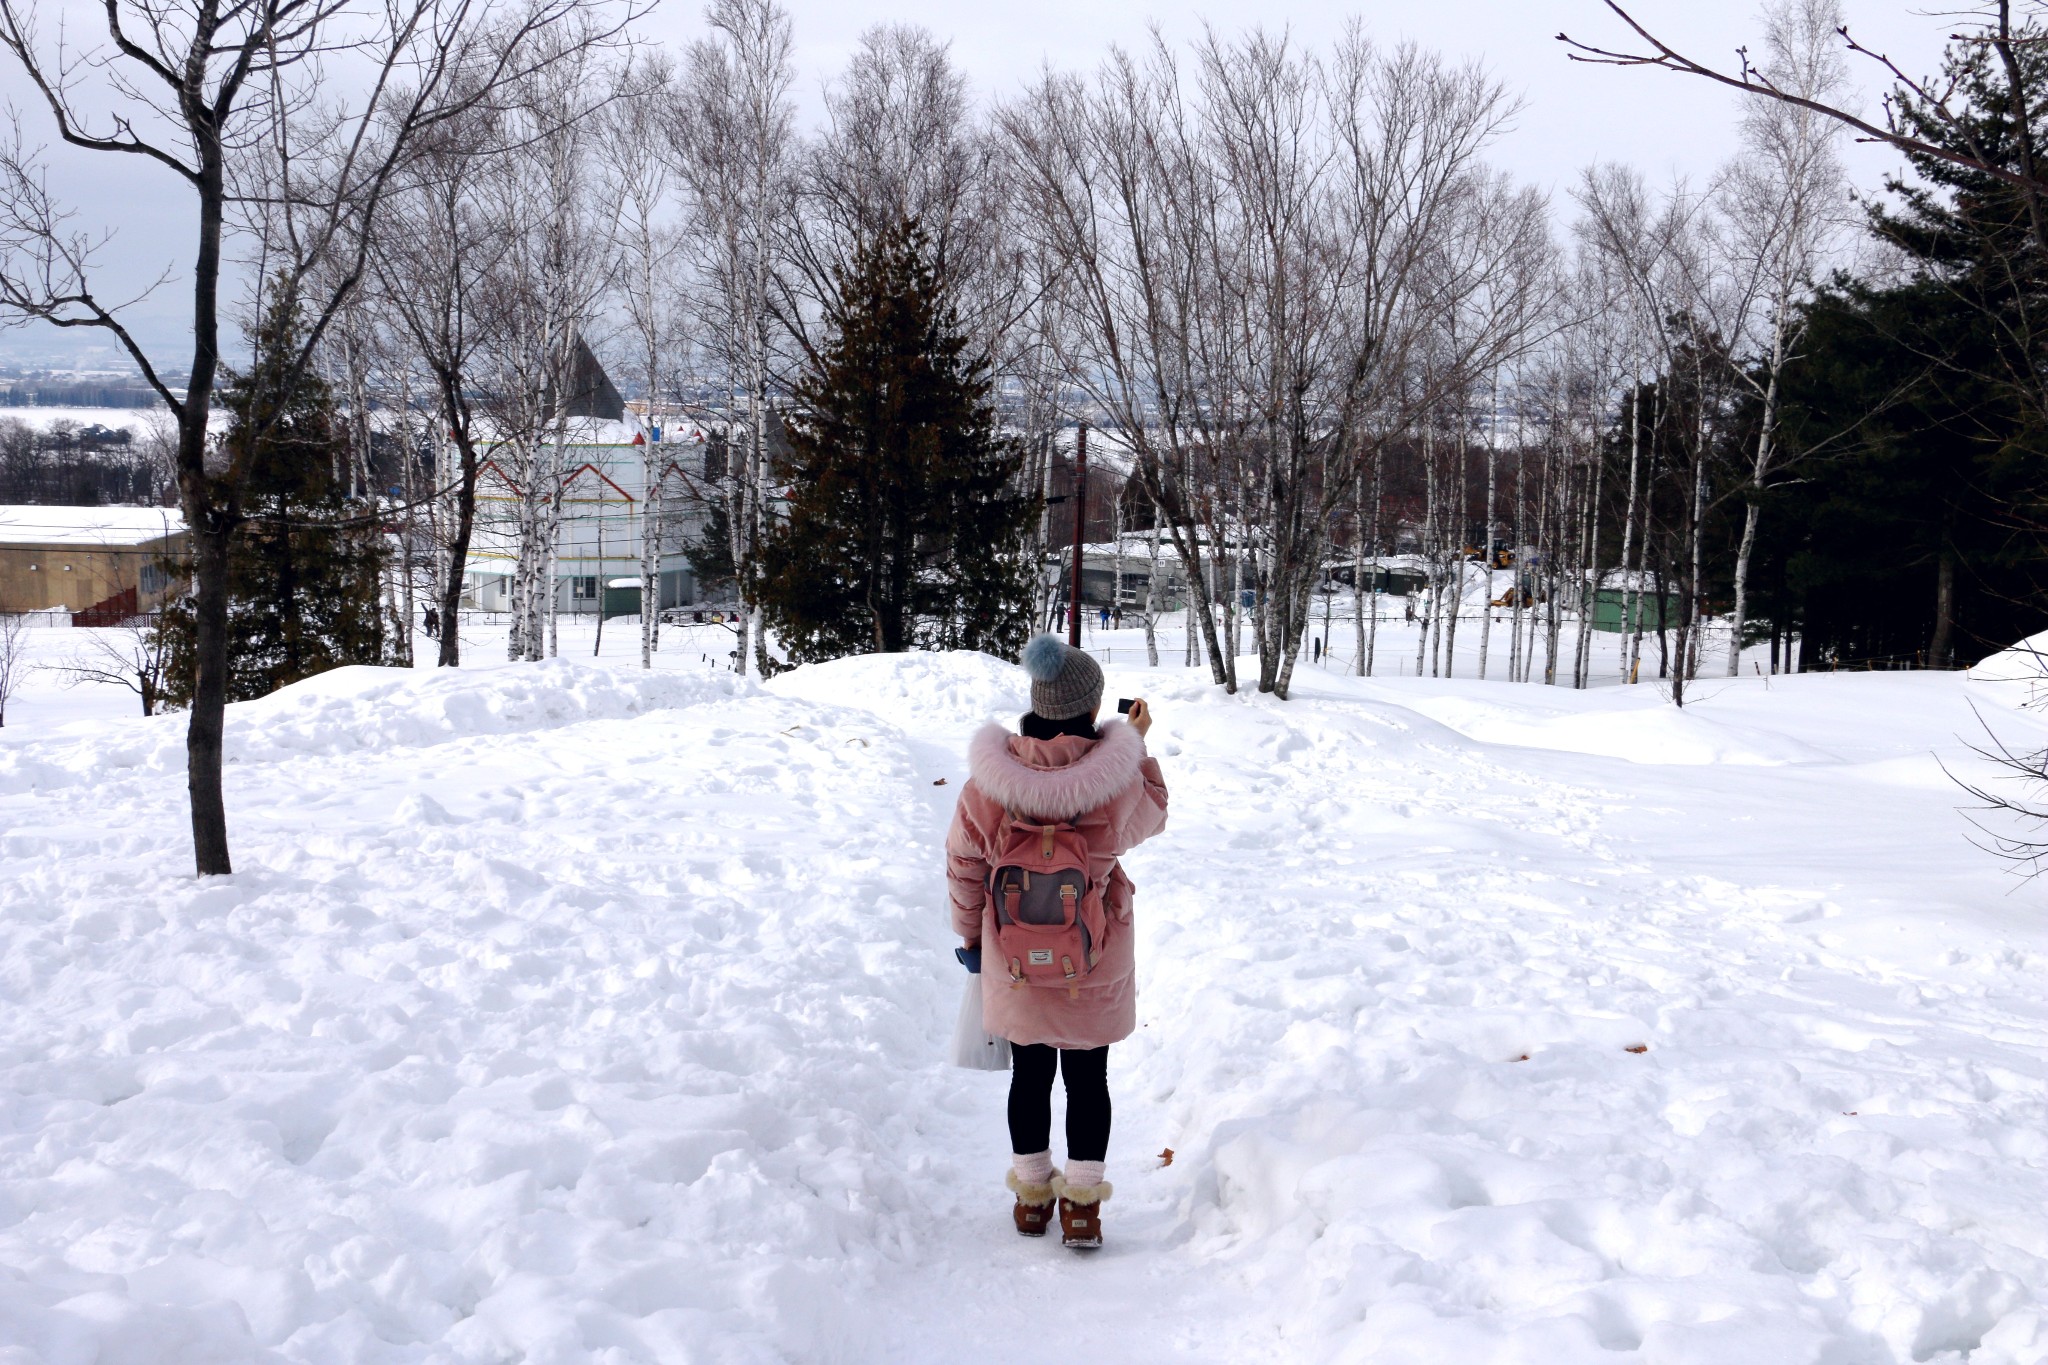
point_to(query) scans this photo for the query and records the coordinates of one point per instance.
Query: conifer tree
(1923, 394)
(710, 552)
(906, 518)
(304, 570)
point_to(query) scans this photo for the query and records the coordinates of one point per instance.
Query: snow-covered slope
(561, 1014)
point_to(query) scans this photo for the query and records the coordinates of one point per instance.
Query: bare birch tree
(1249, 255)
(555, 266)
(434, 279)
(734, 145)
(648, 250)
(1111, 190)
(13, 657)
(1688, 303)
(904, 142)
(238, 103)
(1783, 203)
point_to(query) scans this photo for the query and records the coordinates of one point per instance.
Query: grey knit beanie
(1064, 681)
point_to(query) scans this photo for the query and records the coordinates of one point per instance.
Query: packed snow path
(561, 1014)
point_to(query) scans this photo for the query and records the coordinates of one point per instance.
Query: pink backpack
(1049, 917)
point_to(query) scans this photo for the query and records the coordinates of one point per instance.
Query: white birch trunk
(1632, 595)
(1152, 598)
(1765, 449)
(1582, 664)
(1486, 532)
(1372, 590)
(1458, 554)
(1116, 531)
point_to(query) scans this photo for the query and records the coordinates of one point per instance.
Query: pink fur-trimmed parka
(1115, 795)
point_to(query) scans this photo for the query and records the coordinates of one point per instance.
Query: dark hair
(1034, 726)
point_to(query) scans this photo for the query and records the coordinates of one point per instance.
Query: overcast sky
(1573, 114)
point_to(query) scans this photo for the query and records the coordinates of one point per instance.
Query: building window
(584, 588)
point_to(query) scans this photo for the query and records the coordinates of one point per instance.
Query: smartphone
(1123, 705)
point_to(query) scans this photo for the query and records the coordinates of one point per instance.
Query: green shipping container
(1611, 606)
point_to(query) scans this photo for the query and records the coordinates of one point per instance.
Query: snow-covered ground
(137, 421)
(562, 1013)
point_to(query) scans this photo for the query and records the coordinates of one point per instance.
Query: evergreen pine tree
(710, 552)
(1918, 531)
(906, 524)
(303, 574)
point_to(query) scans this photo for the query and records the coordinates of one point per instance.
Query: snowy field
(562, 1013)
(137, 421)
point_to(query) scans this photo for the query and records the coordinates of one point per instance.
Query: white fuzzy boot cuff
(1036, 1193)
(1081, 1194)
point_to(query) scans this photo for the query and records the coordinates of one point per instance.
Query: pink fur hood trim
(1024, 784)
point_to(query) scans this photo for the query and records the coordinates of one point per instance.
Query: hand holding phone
(1140, 714)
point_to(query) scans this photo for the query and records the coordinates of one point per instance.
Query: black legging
(1087, 1076)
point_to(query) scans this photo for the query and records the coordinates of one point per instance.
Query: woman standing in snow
(1061, 802)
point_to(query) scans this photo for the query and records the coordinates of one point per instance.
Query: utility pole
(1328, 593)
(1080, 523)
(602, 580)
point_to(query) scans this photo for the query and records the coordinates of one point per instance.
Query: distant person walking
(1039, 898)
(432, 622)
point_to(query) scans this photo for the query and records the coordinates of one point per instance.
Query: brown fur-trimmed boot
(1034, 1204)
(1080, 1212)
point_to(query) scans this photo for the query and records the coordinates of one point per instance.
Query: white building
(608, 497)
(605, 506)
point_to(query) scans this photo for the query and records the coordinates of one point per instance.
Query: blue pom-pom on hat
(1044, 656)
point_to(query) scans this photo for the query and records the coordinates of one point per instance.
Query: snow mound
(916, 690)
(349, 710)
(2026, 661)
(1650, 735)
(371, 710)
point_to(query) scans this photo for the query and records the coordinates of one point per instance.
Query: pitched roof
(591, 392)
(38, 524)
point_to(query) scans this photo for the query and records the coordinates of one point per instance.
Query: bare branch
(1750, 81)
